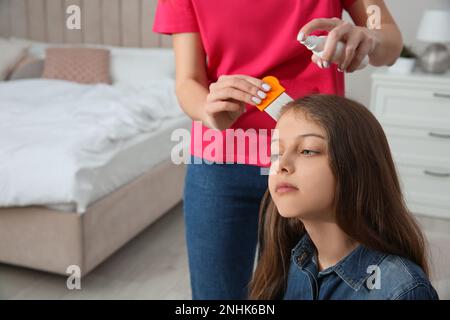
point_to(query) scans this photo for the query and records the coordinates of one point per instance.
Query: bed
(80, 178)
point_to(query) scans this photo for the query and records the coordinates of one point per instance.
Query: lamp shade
(435, 26)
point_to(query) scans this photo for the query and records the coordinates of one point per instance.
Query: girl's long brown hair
(369, 204)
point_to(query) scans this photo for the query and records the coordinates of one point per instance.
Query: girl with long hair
(333, 222)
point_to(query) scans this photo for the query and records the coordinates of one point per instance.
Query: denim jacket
(363, 274)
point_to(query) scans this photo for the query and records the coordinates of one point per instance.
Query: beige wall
(112, 22)
(407, 14)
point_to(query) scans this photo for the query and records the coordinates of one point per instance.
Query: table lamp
(435, 28)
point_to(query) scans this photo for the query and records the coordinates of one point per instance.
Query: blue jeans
(221, 204)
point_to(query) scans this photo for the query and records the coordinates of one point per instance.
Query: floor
(140, 271)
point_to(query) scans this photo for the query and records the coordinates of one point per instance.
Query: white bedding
(56, 136)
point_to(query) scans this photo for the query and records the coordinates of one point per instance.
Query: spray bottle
(317, 45)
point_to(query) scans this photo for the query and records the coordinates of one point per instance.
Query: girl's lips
(285, 187)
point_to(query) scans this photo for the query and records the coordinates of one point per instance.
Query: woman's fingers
(228, 96)
(226, 93)
(334, 36)
(353, 42)
(239, 87)
(326, 24)
(319, 62)
(255, 81)
(363, 50)
(253, 87)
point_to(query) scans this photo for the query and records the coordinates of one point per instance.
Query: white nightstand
(414, 111)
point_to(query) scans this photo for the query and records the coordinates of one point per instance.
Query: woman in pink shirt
(223, 49)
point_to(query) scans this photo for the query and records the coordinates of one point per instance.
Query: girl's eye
(308, 152)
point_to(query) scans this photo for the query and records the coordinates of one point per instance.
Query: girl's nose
(285, 165)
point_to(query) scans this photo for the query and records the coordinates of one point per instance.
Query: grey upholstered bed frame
(45, 239)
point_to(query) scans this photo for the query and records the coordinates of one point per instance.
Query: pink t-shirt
(255, 38)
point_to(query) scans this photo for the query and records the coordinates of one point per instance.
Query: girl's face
(301, 182)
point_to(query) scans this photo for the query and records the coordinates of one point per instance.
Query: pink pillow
(83, 65)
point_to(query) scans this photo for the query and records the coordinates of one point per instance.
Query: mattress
(65, 145)
(136, 157)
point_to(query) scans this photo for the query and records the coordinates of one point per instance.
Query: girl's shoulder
(404, 279)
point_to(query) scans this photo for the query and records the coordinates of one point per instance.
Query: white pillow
(35, 49)
(128, 65)
(11, 54)
(138, 66)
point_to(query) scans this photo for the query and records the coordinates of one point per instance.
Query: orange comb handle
(275, 92)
